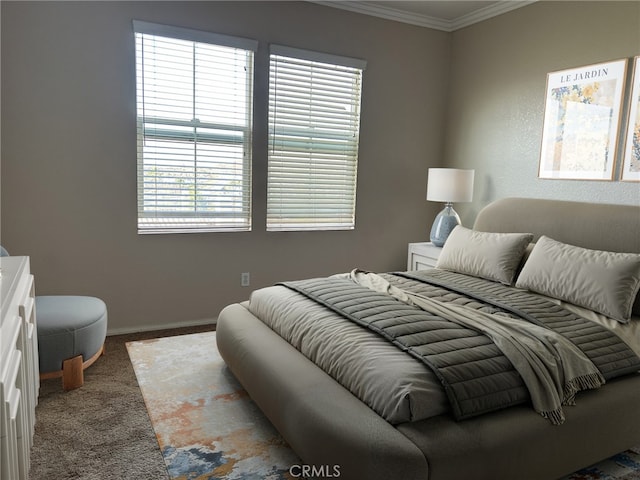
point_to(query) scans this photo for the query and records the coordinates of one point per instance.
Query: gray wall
(68, 178)
(472, 99)
(498, 77)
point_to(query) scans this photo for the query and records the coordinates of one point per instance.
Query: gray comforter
(476, 375)
(551, 366)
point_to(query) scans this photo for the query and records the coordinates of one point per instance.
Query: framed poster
(581, 122)
(631, 164)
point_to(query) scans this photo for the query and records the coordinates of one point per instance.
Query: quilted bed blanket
(490, 346)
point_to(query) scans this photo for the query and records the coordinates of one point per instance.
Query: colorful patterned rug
(209, 429)
(623, 466)
(207, 426)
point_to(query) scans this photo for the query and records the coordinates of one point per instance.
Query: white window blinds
(194, 116)
(314, 121)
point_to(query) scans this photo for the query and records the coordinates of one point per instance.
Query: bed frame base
(326, 425)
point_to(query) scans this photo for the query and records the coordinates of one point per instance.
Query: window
(314, 121)
(194, 117)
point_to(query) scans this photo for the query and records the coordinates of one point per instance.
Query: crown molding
(369, 8)
(488, 12)
(388, 13)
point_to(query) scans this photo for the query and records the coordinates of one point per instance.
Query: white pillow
(605, 282)
(493, 256)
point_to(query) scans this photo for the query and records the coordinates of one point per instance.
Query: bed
(332, 426)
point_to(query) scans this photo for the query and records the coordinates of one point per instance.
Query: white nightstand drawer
(422, 256)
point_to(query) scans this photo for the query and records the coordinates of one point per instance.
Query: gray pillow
(605, 282)
(494, 256)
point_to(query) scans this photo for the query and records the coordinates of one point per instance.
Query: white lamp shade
(450, 185)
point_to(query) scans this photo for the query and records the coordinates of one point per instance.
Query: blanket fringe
(585, 382)
(556, 417)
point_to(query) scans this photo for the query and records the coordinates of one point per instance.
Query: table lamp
(448, 185)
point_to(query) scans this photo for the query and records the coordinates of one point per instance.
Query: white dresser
(19, 376)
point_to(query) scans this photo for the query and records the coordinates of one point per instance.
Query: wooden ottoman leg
(72, 373)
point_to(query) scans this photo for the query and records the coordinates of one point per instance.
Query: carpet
(208, 427)
(100, 431)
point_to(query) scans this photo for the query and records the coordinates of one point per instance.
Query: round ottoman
(71, 333)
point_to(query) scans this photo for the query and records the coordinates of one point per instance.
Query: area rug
(623, 466)
(209, 429)
(207, 426)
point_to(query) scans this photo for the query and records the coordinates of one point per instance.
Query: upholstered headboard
(598, 226)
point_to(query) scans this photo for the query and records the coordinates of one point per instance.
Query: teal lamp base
(445, 221)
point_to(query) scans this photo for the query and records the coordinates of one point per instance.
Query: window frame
(191, 131)
(279, 155)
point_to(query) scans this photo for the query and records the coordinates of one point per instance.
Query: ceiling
(446, 15)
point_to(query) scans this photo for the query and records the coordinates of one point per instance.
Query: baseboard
(163, 326)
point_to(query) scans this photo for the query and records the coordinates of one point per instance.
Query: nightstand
(422, 255)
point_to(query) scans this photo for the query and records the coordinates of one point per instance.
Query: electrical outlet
(245, 279)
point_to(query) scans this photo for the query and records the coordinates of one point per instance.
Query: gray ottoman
(71, 334)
